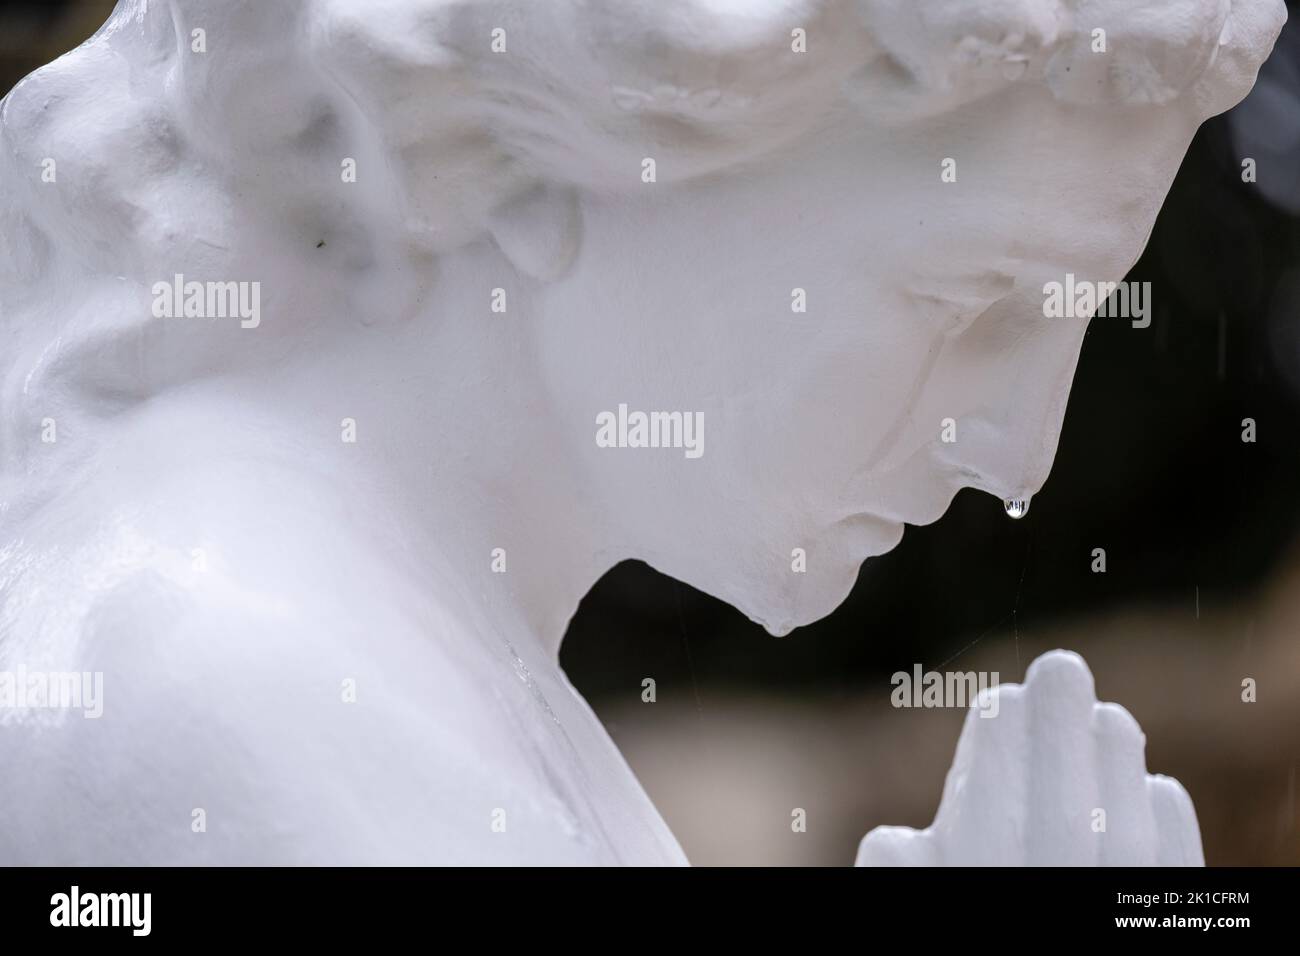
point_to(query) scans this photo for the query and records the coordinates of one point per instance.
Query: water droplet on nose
(1016, 507)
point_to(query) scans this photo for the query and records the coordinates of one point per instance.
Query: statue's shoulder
(261, 665)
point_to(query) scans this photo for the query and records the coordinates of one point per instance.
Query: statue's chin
(818, 597)
(799, 585)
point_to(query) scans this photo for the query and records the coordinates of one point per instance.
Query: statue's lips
(922, 495)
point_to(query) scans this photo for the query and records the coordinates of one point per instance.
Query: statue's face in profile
(849, 285)
(860, 337)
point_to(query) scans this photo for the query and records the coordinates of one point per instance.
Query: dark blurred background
(1202, 587)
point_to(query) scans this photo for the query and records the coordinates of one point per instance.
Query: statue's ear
(539, 231)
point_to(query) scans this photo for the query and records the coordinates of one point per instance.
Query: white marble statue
(330, 334)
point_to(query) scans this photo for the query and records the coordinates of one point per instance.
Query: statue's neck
(460, 464)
